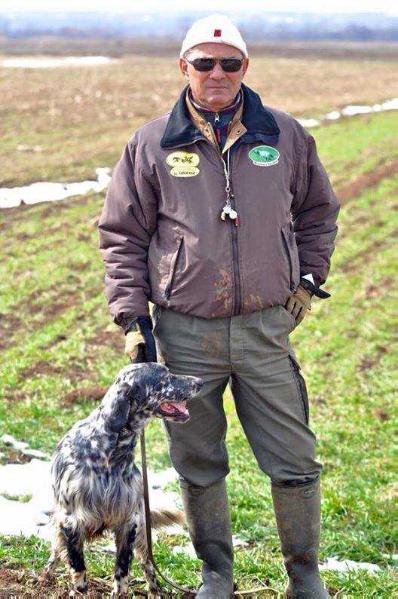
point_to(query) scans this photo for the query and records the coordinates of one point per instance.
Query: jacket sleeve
(314, 211)
(126, 224)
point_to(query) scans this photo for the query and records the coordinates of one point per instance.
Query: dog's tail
(166, 517)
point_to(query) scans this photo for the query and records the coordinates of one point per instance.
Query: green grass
(59, 337)
(357, 145)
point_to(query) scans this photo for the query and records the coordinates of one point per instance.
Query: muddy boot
(297, 512)
(207, 514)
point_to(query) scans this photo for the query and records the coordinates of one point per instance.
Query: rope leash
(148, 529)
(187, 593)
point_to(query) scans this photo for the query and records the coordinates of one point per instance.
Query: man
(222, 216)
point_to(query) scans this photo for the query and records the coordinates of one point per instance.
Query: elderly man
(221, 214)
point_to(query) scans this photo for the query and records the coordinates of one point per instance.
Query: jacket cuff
(141, 323)
(317, 291)
(129, 325)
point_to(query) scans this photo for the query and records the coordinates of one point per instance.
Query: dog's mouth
(174, 411)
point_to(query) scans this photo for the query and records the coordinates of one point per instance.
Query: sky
(300, 6)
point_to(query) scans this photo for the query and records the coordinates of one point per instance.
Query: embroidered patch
(264, 156)
(184, 164)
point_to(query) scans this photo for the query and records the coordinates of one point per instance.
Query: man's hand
(299, 303)
(140, 343)
(134, 346)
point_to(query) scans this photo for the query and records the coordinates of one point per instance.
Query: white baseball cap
(215, 28)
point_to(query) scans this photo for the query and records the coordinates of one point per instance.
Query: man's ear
(183, 67)
(116, 407)
(245, 66)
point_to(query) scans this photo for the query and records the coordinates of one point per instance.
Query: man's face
(214, 89)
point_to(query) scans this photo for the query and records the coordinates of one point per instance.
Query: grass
(57, 337)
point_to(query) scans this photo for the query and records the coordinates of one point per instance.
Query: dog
(96, 484)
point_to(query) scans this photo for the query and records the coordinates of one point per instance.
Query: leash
(188, 593)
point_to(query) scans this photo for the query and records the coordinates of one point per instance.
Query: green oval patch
(264, 155)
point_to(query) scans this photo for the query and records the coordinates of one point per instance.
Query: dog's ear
(116, 407)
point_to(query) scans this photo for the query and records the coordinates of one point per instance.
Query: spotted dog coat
(96, 484)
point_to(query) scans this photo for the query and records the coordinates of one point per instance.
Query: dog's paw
(46, 576)
(78, 592)
(156, 592)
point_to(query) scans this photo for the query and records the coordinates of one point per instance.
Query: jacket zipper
(235, 258)
(285, 245)
(234, 240)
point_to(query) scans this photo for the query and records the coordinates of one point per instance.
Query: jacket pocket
(301, 388)
(173, 269)
(289, 244)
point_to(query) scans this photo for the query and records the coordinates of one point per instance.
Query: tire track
(356, 186)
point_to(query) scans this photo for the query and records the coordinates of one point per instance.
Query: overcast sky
(345, 6)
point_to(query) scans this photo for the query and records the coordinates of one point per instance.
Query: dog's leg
(74, 550)
(155, 589)
(125, 538)
(57, 547)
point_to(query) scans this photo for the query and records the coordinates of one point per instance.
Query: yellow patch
(184, 164)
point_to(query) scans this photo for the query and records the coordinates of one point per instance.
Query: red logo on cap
(217, 33)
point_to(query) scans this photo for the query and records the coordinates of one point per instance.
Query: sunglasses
(229, 65)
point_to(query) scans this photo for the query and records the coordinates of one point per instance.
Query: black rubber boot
(297, 512)
(207, 514)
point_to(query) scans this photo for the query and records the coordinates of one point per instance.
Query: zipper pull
(217, 118)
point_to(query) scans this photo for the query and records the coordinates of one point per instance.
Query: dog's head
(148, 389)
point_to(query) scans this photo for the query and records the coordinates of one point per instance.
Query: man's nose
(217, 72)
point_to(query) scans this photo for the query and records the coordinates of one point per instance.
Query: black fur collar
(258, 120)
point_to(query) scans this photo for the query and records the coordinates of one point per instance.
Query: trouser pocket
(290, 316)
(301, 388)
(156, 311)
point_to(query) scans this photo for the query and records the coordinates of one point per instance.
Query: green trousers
(253, 354)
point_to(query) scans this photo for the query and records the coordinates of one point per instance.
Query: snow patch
(309, 122)
(10, 197)
(347, 565)
(51, 62)
(351, 110)
(33, 517)
(22, 447)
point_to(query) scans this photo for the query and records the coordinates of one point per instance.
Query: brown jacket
(161, 235)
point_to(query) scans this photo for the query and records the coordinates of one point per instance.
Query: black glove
(140, 342)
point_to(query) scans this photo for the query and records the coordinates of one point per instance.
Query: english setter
(96, 484)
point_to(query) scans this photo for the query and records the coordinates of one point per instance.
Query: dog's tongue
(172, 408)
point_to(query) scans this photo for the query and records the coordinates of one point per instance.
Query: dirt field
(65, 122)
(60, 350)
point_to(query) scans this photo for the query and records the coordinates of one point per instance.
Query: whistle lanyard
(228, 209)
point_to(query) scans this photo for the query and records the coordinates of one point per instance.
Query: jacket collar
(258, 120)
